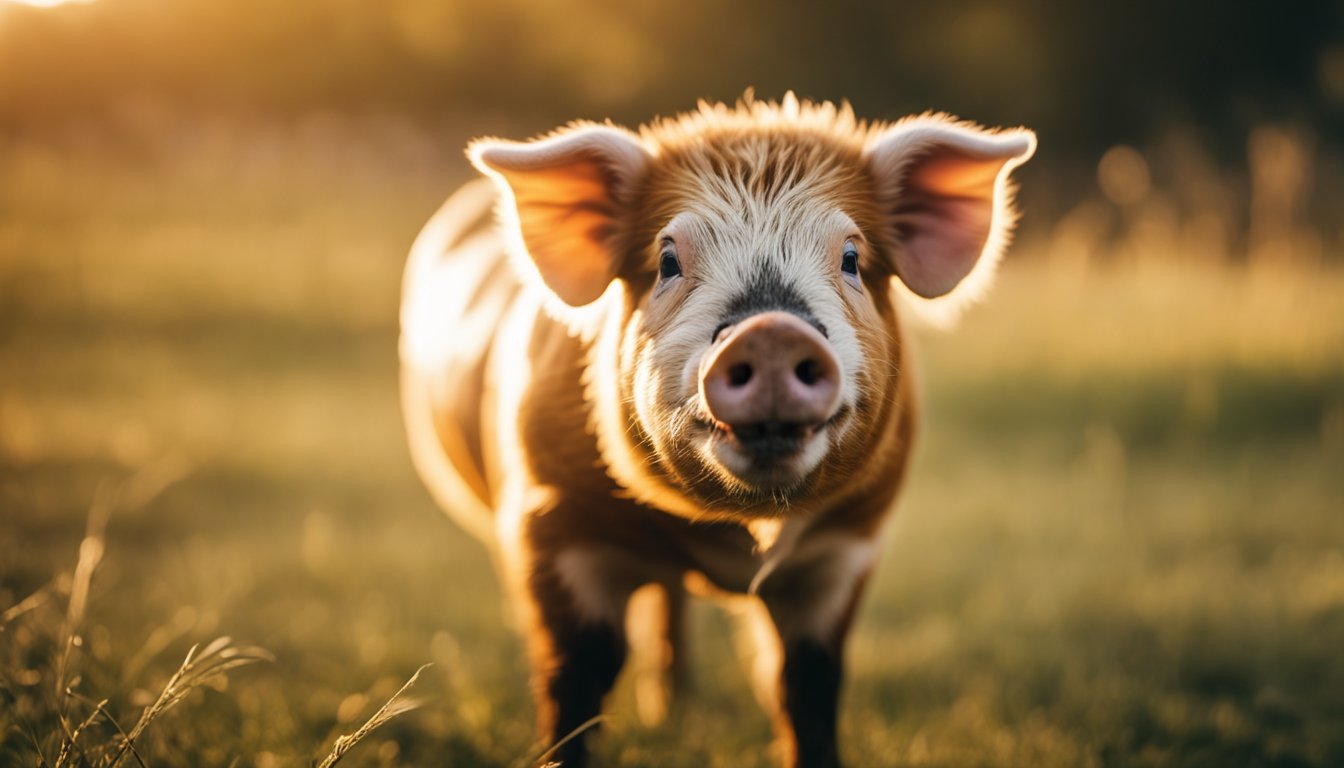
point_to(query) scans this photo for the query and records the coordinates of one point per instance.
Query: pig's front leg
(812, 606)
(576, 593)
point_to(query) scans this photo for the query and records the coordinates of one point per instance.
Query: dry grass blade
(138, 490)
(25, 605)
(574, 734)
(103, 759)
(218, 657)
(71, 742)
(90, 554)
(398, 705)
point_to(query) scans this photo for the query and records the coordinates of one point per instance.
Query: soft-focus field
(1123, 543)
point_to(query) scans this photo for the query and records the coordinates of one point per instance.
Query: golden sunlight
(46, 3)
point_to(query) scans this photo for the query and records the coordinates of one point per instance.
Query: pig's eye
(849, 259)
(669, 265)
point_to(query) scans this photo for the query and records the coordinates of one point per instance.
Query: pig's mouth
(771, 455)
(768, 441)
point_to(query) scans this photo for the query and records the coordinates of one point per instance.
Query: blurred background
(1123, 543)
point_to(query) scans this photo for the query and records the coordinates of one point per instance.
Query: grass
(1121, 544)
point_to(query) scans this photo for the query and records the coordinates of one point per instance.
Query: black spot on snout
(767, 292)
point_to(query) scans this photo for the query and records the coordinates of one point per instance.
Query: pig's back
(457, 288)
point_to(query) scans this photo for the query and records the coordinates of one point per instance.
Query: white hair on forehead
(739, 230)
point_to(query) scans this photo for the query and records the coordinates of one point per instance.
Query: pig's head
(740, 264)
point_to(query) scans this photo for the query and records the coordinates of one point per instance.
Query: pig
(642, 364)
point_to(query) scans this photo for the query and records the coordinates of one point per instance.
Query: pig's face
(751, 358)
(750, 362)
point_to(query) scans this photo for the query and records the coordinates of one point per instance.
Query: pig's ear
(564, 195)
(944, 186)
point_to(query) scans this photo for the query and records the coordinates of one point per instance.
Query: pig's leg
(757, 644)
(656, 628)
(676, 677)
(812, 608)
(576, 596)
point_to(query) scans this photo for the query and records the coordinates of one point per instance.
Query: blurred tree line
(1086, 76)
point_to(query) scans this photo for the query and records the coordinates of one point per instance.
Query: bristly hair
(750, 114)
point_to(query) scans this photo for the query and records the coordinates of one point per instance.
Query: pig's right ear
(564, 195)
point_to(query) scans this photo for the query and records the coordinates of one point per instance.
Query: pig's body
(611, 448)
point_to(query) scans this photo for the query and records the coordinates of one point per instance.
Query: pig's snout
(772, 375)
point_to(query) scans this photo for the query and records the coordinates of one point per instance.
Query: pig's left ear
(944, 186)
(566, 194)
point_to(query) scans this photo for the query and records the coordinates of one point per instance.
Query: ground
(1122, 543)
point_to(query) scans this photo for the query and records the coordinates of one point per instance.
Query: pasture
(1122, 543)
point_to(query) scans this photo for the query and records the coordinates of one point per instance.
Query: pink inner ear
(568, 191)
(944, 214)
(565, 215)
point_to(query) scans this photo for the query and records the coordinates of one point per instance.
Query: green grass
(1123, 541)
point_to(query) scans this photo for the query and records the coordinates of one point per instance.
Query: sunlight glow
(46, 3)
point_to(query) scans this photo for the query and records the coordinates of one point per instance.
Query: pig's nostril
(808, 372)
(739, 374)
